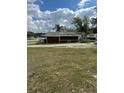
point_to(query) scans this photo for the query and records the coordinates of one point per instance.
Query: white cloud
(82, 3)
(33, 9)
(31, 1)
(46, 20)
(88, 11)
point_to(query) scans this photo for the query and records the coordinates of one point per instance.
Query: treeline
(34, 35)
(85, 25)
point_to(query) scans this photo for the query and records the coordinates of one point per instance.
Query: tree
(57, 27)
(94, 21)
(78, 24)
(85, 22)
(82, 25)
(94, 25)
(30, 34)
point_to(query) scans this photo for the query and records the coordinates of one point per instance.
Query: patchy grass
(35, 42)
(32, 42)
(87, 41)
(61, 70)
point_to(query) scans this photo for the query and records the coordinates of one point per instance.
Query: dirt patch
(68, 45)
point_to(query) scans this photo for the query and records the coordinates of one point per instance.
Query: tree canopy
(82, 25)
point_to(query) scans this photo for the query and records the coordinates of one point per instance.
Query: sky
(42, 15)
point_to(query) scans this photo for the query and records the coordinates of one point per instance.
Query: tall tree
(82, 25)
(94, 25)
(78, 24)
(86, 25)
(94, 21)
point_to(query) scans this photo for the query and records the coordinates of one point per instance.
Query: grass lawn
(32, 42)
(62, 70)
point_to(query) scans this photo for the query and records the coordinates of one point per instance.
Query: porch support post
(59, 38)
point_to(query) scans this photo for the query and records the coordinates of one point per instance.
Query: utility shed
(63, 37)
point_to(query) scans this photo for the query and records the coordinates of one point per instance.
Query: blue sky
(54, 4)
(44, 14)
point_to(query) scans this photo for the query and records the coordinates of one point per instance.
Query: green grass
(87, 41)
(61, 70)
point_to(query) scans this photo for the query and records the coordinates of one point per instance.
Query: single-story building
(62, 37)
